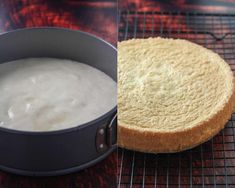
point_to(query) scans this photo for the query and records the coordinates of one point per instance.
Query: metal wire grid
(211, 164)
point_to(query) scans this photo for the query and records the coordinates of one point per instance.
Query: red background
(209, 6)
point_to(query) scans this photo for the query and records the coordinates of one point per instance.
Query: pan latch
(106, 135)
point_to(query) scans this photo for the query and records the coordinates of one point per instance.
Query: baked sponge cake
(172, 94)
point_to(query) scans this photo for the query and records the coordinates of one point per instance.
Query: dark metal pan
(63, 151)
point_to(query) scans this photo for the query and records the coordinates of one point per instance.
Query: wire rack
(211, 164)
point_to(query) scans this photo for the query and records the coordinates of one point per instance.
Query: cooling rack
(211, 164)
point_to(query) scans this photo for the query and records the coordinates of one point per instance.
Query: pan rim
(77, 127)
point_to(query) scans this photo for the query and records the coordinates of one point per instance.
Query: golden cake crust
(176, 126)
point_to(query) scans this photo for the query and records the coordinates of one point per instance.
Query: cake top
(168, 85)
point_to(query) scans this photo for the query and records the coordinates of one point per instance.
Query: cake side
(167, 142)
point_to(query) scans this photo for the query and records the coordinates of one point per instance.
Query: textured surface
(169, 88)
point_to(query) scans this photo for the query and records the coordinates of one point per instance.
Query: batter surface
(45, 94)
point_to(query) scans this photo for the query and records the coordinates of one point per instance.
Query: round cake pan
(68, 150)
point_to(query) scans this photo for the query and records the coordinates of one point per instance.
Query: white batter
(44, 94)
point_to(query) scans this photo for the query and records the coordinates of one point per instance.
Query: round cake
(172, 94)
